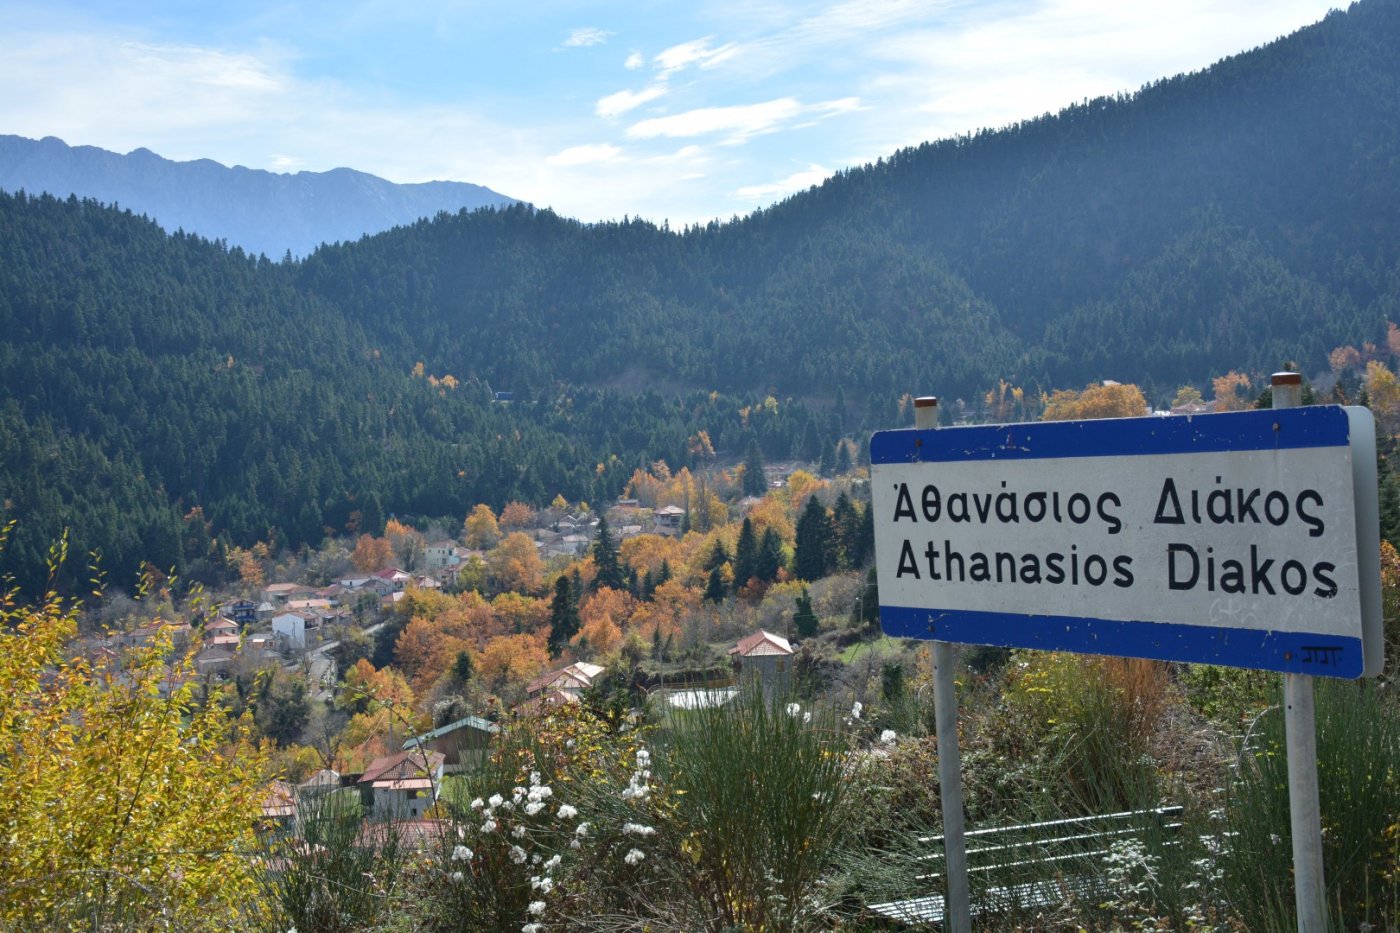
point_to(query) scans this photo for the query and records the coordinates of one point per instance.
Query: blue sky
(669, 111)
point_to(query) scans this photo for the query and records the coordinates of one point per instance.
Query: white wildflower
(582, 830)
(532, 928)
(536, 907)
(534, 778)
(794, 708)
(856, 709)
(542, 885)
(806, 718)
(478, 803)
(888, 737)
(553, 862)
(567, 812)
(634, 856)
(457, 877)
(533, 807)
(517, 855)
(461, 854)
(518, 832)
(643, 757)
(496, 800)
(637, 829)
(489, 826)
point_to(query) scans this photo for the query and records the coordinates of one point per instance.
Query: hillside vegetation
(166, 397)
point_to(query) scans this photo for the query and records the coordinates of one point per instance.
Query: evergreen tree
(843, 458)
(563, 615)
(1389, 505)
(719, 556)
(811, 559)
(745, 555)
(826, 466)
(755, 483)
(714, 588)
(804, 620)
(770, 556)
(608, 570)
(862, 544)
(845, 522)
(664, 574)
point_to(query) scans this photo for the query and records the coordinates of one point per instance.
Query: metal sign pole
(956, 903)
(1309, 890)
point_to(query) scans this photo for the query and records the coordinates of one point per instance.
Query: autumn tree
(1383, 391)
(517, 515)
(408, 543)
(508, 661)
(371, 554)
(515, 564)
(128, 804)
(1228, 389)
(482, 531)
(1102, 400)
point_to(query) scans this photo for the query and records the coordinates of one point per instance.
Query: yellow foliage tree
(481, 529)
(1227, 390)
(1106, 400)
(515, 565)
(126, 804)
(1383, 389)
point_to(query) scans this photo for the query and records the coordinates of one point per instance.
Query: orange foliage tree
(371, 554)
(509, 661)
(1228, 389)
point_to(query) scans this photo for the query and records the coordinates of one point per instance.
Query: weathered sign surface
(1247, 539)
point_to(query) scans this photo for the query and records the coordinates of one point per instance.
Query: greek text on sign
(1227, 539)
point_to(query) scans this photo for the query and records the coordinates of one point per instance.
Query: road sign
(1247, 539)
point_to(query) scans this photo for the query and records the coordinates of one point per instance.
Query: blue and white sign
(1247, 539)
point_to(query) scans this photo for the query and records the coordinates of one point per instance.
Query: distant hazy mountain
(263, 212)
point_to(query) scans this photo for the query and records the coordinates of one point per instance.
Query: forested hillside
(158, 393)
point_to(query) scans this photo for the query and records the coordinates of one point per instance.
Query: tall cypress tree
(745, 555)
(755, 483)
(845, 522)
(563, 615)
(714, 587)
(811, 559)
(770, 556)
(804, 620)
(605, 560)
(719, 556)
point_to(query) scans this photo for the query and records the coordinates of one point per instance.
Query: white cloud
(587, 36)
(585, 155)
(695, 52)
(813, 174)
(634, 61)
(738, 122)
(615, 105)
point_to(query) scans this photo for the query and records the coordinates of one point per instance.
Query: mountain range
(259, 211)
(165, 396)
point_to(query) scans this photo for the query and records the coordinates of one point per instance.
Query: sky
(674, 112)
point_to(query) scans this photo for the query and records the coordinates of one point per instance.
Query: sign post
(1248, 539)
(1300, 730)
(957, 899)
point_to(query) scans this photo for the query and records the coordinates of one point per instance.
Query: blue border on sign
(1274, 429)
(1294, 652)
